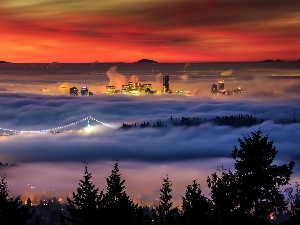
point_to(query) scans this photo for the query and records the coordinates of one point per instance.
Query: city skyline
(177, 31)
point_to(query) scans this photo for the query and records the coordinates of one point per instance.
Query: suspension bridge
(58, 129)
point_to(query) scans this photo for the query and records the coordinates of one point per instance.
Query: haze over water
(31, 98)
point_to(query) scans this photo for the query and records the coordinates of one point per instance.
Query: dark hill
(146, 61)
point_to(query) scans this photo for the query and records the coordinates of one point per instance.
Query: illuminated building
(110, 89)
(145, 86)
(166, 87)
(136, 88)
(214, 89)
(125, 88)
(182, 92)
(221, 85)
(133, 88)
(73, 91)
(84, 91)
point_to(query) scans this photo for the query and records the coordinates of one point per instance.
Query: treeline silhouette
(8, 165)
(251, 194)
(233, 121)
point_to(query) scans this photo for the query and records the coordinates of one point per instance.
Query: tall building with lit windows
(73, 91)
(214, 89)
(110, 89)
(166, 87)
(84, 91)
(221, 85)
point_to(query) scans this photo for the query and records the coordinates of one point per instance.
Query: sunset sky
(162, 30)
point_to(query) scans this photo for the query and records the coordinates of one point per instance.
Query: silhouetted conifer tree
(165, 214)
(86, 206)
(12, 211)
(118, 207)
(251, 193)
(197, 209)
(223, 196)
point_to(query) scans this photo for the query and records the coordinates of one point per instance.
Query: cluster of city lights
(59, 128)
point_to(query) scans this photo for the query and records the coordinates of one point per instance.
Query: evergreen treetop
(115, 186)
(12, 210)
(252, 192)
(118, 207)
(85, 206)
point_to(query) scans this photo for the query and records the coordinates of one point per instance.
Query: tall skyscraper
(84, 91)
(166, 87)
(221, 85)
(214, 89)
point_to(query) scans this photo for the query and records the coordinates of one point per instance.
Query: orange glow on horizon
(178, 32)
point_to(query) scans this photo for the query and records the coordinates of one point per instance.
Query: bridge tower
(89, 121)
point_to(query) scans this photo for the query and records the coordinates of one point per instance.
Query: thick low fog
(51, 163)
